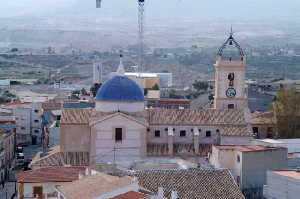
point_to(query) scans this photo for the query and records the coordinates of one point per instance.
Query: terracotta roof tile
(131, 195)
(235, 131)
(76, 116)
(191, 183)
(263, 118)
(195, 117)
(50, 174)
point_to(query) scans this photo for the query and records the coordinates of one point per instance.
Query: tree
(200, 86)
(83, 92)
(155, 87)
(94, 89)
(287, 112)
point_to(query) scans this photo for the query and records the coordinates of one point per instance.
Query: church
(121, 129)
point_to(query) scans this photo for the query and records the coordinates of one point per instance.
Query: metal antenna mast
(141, 6)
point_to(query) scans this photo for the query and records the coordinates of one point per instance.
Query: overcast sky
(207, 9)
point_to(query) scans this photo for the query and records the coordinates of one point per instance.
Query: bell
(230, 43)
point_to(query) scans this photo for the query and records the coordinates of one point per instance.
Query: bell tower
(230, 68)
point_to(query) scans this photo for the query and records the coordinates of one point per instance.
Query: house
(293, 146)
(263, 125)
(8, 136)
(41, 182)
(282, 184)
(102, 186)
(249, 164)
(28, 121)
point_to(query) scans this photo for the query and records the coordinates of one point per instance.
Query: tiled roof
(235, 131)
(247, 148)
(50, 174)
(195, 117)
(288, 173)
(263, 118)
(57, 158)
(94, 186)
(76, 116)
(131, 195)
(191, 183)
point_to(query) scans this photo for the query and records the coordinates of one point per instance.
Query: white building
(41, 182)
(282, 184)
(249, 164)
(165, 79)
(28, 121)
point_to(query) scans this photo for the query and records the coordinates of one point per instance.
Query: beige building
(230, 67)
(102, 186)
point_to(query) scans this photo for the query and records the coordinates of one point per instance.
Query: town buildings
(155, 184)
(249, 164)
(120, 129)
(41, 183)
(8, 141)
(28, 121)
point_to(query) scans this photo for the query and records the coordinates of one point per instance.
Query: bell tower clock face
(230, 92)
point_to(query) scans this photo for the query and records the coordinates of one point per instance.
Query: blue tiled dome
(120, 88)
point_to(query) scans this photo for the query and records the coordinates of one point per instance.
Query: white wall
(235, 140)
(133, 145)
(48, 187)
(106, 106)
(23, 120)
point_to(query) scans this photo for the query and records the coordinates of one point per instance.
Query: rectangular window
(157, 133)
(36, 121)
(118, 134)
(182, 133)
(38, 192)
(255, 129)
(238, 159)
(23, 128)
(238, 180)
(208, 134)
(230, 106)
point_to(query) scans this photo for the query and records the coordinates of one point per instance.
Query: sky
(206, 9)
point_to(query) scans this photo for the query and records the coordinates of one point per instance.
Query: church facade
(120, 129)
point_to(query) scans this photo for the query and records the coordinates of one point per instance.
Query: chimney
(88, 172)
(174, 195)
(160, 193)
(80, 176)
